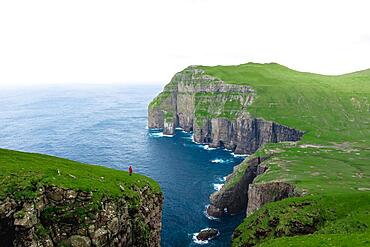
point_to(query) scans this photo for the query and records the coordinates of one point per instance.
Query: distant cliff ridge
(216, 112)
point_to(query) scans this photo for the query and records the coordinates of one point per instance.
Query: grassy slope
(334, 113)
(22, 173)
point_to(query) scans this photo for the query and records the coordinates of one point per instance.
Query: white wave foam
(217, 186)
(195, 240)
(216, 161)
(156, 134)
(159, 134)
(239, 155)
(208, 216)
(206, 147)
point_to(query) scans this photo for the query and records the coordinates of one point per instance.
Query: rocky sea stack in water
(57, 202)
(207, 234)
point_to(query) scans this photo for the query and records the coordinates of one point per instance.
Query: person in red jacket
(130, 170)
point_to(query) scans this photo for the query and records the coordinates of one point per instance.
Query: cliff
(47, 201)
(233, 197)
(216, 112)
(255, 109)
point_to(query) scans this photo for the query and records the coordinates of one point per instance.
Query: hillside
(46, 200)
(268, 105)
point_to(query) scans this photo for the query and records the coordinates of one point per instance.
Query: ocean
(107, 125)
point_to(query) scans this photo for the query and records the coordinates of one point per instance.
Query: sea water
(107, 125)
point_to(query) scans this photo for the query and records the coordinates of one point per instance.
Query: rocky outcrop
(64, 217)
(207, 234)
(260, 194)
(233, 199)
(216, 112)
(246, 196)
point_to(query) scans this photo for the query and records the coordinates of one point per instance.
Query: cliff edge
(47, 201)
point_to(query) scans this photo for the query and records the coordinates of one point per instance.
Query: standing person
(130, 170)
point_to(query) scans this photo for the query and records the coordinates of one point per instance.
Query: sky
(147, 41)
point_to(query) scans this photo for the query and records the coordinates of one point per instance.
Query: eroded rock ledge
(233, 199)
(63, 217)
(245, 195)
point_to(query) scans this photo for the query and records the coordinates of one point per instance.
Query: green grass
(21, 174)
(332, 110)
(332, 240)
(218, 105)
(158, 100)
(334, 154)
(326, 216)
(328, 108)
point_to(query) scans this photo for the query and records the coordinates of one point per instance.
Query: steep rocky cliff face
(64, 217)
(233, 199)
(216, 112)
(260, 194)
(240, 193)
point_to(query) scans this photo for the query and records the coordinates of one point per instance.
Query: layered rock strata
(216, 112)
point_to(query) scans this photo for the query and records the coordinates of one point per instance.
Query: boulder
(214, 211)
(207, 234)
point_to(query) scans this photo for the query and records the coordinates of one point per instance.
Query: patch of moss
(19, 215)
(159, 99)
(41, 231)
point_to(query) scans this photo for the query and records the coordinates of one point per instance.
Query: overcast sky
(147, 41)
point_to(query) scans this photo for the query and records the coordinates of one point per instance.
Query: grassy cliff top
(332, 110)
(328, 108)
(21, 174)
(331, 162)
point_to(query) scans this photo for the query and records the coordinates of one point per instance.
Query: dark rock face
(248, 196)
(214, 211)
(244, 135)
(241, 133)
(260, 194)
(207, 234)
(234, 199)
(66, 217)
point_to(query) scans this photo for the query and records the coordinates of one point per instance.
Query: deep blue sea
(107, 125)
